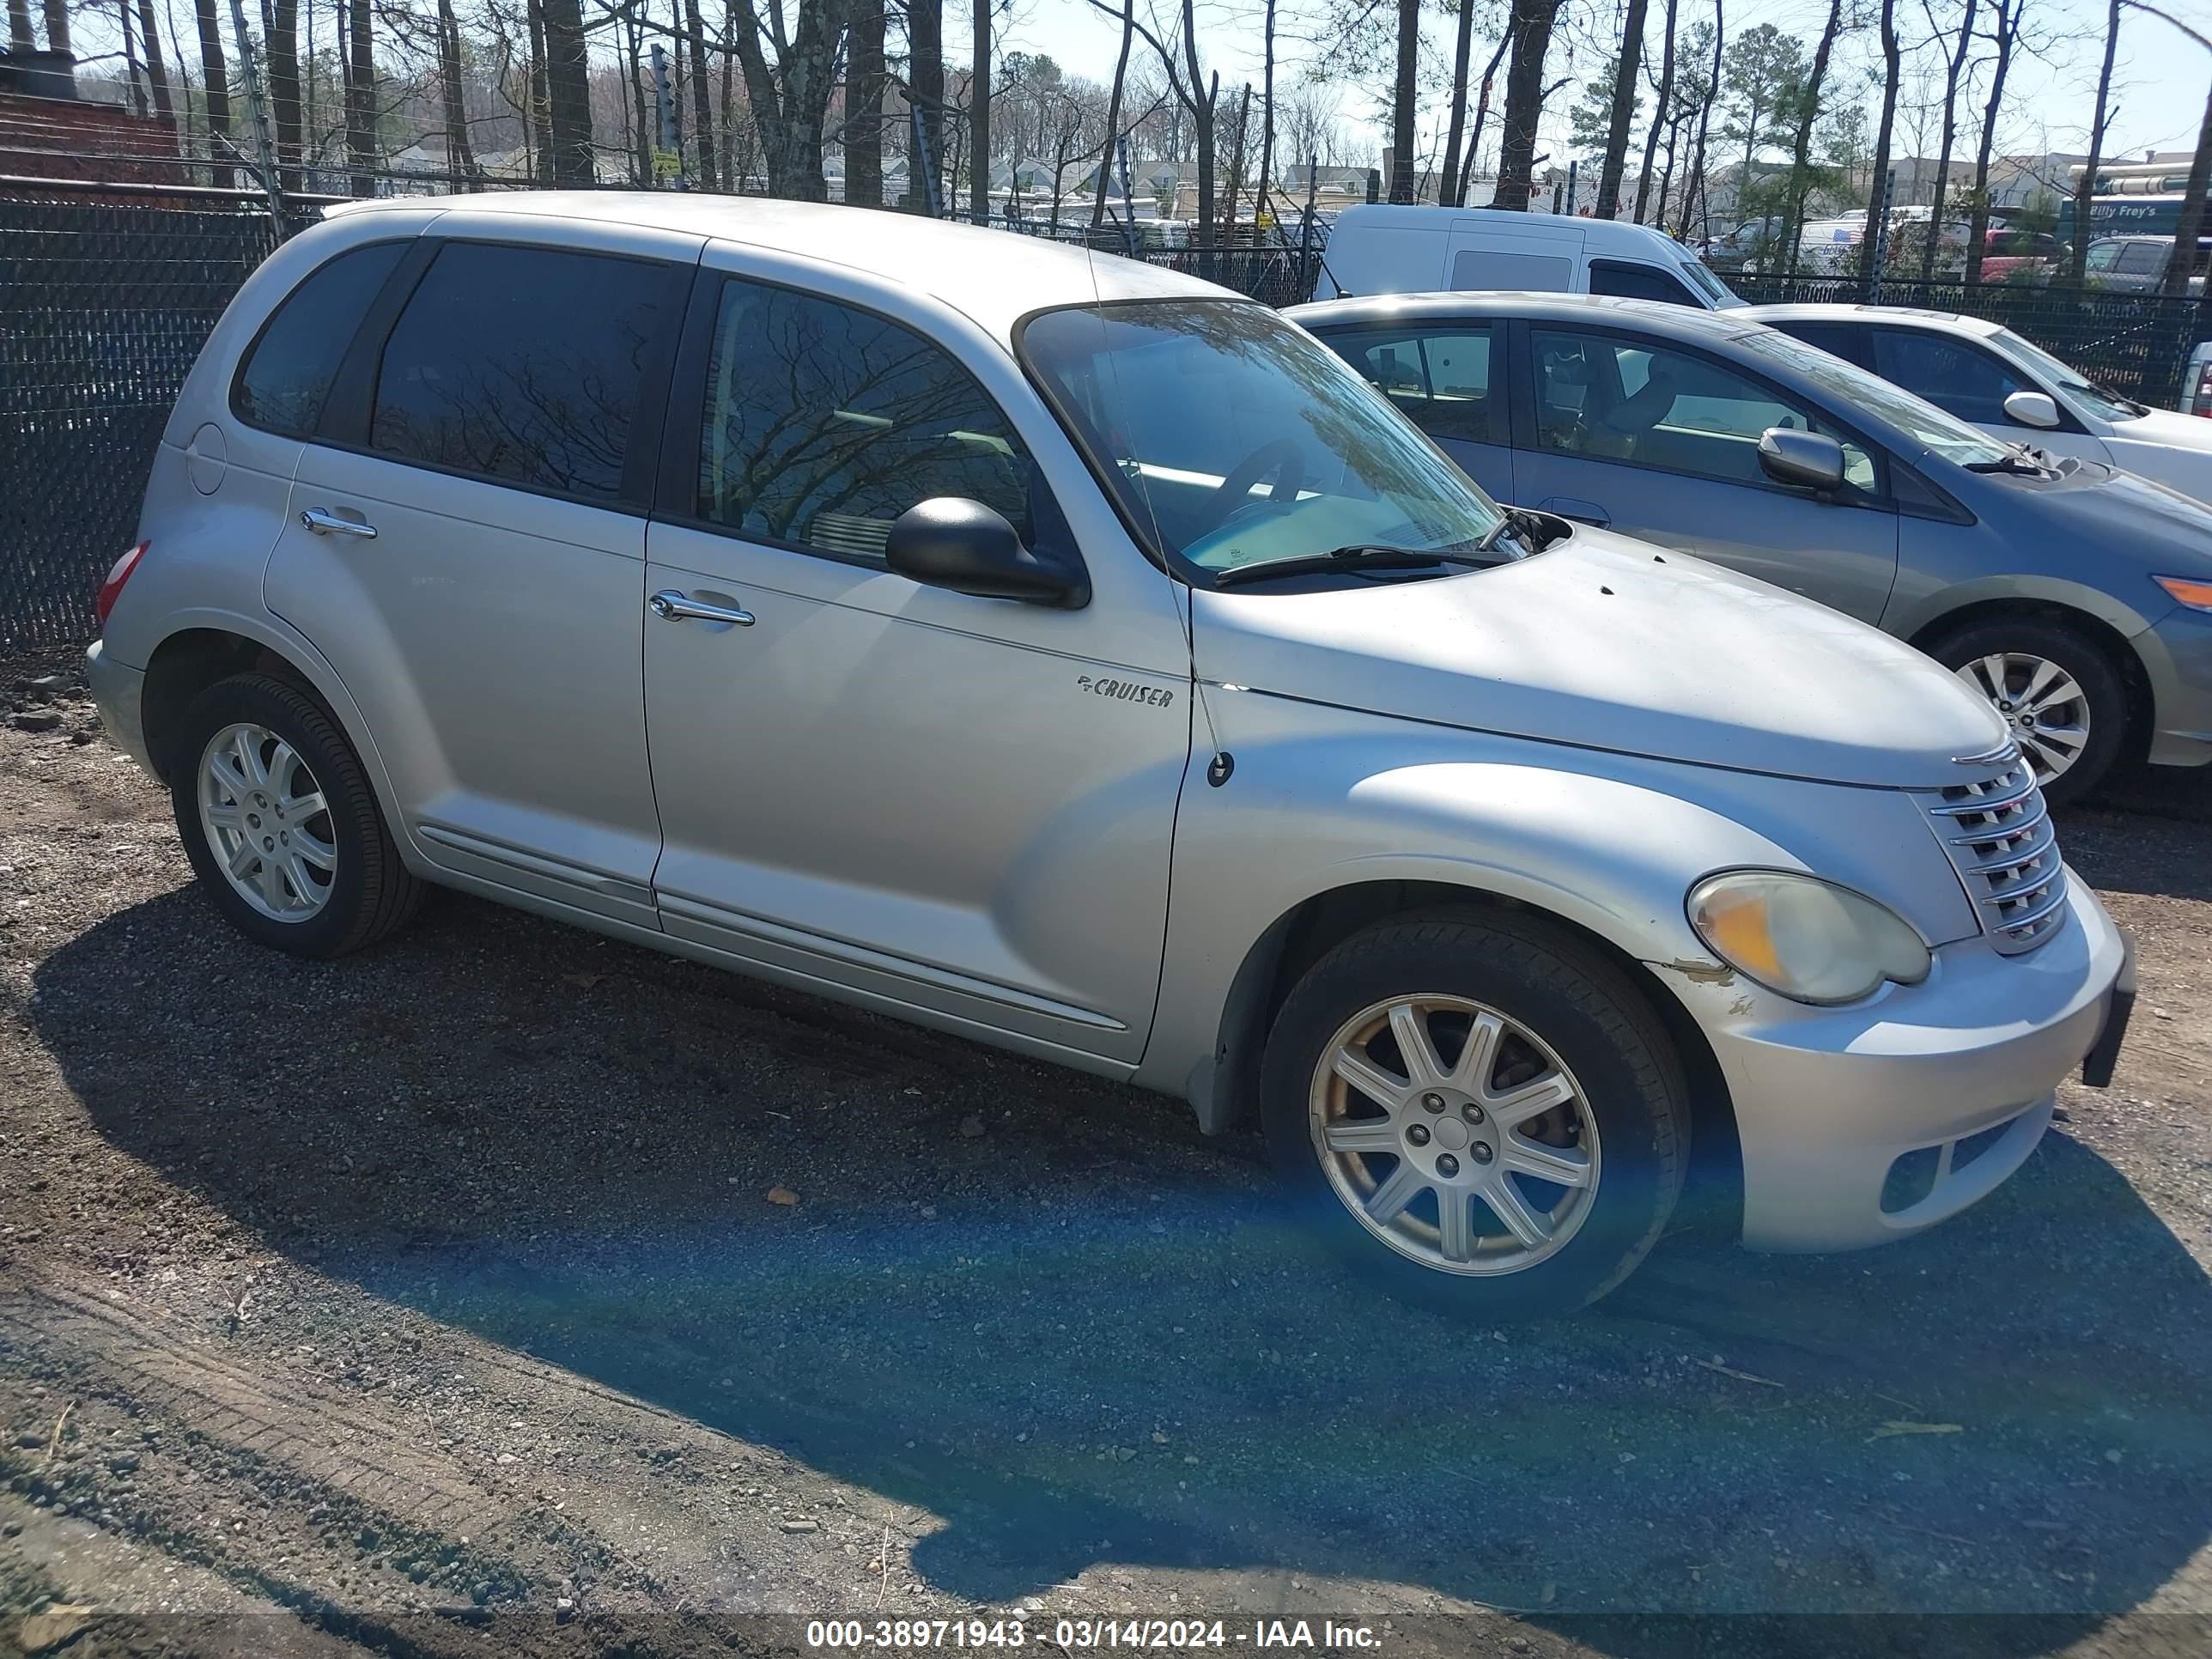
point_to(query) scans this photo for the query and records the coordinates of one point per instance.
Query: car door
(1963, 378)
(957, 808)
(1447, 378)
(466, 545)
(1661, 443)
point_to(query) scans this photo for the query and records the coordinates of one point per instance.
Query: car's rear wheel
(1480, 1109)
(280, 822)
(2064, 702)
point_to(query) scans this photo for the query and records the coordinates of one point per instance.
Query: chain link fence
(2137, 344)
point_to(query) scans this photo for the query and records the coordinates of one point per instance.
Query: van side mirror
(2037, 409)
(949, 541)
(1804, 460)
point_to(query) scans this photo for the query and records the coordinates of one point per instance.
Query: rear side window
(824, 423)
(1623, 279)
(1837, 339)
(287, 371)
(1504, 272)
(1439, 378)
(521, 365)
(2142, 259)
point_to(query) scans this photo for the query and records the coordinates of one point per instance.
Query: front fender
(1609, 843)
(1910, 616)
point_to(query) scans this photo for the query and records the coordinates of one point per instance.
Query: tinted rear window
(289, 370)
(521, 364)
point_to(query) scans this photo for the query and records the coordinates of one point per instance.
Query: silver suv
(1072, 655)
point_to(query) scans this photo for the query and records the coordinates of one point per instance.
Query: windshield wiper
(2014, 460)
(1365, 555)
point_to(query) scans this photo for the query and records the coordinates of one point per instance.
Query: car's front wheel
(280, 822)
(2060, 696)
(1480, 1108)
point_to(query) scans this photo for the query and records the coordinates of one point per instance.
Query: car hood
(2131, 514)
(1603, 643)
(2167, 429)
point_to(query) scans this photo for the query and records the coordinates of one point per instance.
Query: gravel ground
(508, 1290)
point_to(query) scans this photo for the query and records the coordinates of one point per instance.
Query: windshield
(1234, 438)
(2070, 380)
(1707, 283)
(1945, 436)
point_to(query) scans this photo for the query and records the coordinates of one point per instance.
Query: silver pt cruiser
(1072, 655)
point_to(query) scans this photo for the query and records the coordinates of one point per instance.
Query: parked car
(1983, 372)
(1395, 249)
(2196, 381)
(1744, 246)
(1830, 246)
(2011, 255)
(1081, 658)
(2077, 597)
(2136, 264)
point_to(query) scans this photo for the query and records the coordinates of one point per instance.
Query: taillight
(2200, 395)
(117, 573)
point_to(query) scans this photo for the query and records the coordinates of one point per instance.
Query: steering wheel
(1233, 490)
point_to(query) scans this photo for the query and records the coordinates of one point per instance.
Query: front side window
(824, 423)
(1625, 280)
(1916, 419)
(2105, 256)
(1955, 375)
(1609, 399)
(521, 365)
(2068, 378)
(2142, 259)
(287, 372)
(1438, 378)
(1234, 438)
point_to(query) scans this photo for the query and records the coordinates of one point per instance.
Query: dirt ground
(440, 1301)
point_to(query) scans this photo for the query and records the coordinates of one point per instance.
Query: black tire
(370, 892)
(1540, 975)
(2079, 656)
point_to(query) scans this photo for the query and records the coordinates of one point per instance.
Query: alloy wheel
(266, 822)
(1454, 1134)
(2043, 705)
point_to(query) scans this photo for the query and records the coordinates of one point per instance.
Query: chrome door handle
(670, 605)
(324, 522)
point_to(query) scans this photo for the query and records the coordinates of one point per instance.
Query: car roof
(1809, 312)
(994, 277)
(1686, 322)
(1599, 236)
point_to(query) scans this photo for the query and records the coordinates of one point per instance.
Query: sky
(2160, 78)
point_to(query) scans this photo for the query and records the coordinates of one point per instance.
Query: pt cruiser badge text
(1124, 691)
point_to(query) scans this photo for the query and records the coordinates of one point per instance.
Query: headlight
(1809, 941)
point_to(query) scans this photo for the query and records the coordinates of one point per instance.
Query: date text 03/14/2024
(1167, 1635)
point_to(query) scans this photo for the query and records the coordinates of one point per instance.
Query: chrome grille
(1998, 833)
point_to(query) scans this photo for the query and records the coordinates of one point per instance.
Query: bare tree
(57, 25)
(863, 106)
(157, 71)
(214, 95)
(460, 154)
(1404, 96)
(1530, 31)
(1461, 186)
(1663, 115)
(1807, 98)
(1455, 120)
(978, 116)
(1624, 110)
(790, 99)
(2181, 264)
(285, 112)
(1267, 103)
(925, 79)
(1113, 111)
(1977, 229)
(1694, 194)
(21, 39)
(1878, 201)
(703, 106)
(1954, 69)
(2085, 187)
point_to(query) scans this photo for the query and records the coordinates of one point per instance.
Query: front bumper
(119, 690)
(2177, 659)
(1954, 1075)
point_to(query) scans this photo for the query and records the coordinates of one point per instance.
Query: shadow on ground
(1097, 1344)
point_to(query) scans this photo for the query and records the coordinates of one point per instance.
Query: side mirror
(949, 541)
(2036, 408)
(1804, 460)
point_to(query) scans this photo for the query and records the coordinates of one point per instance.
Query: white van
(1395, 249)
